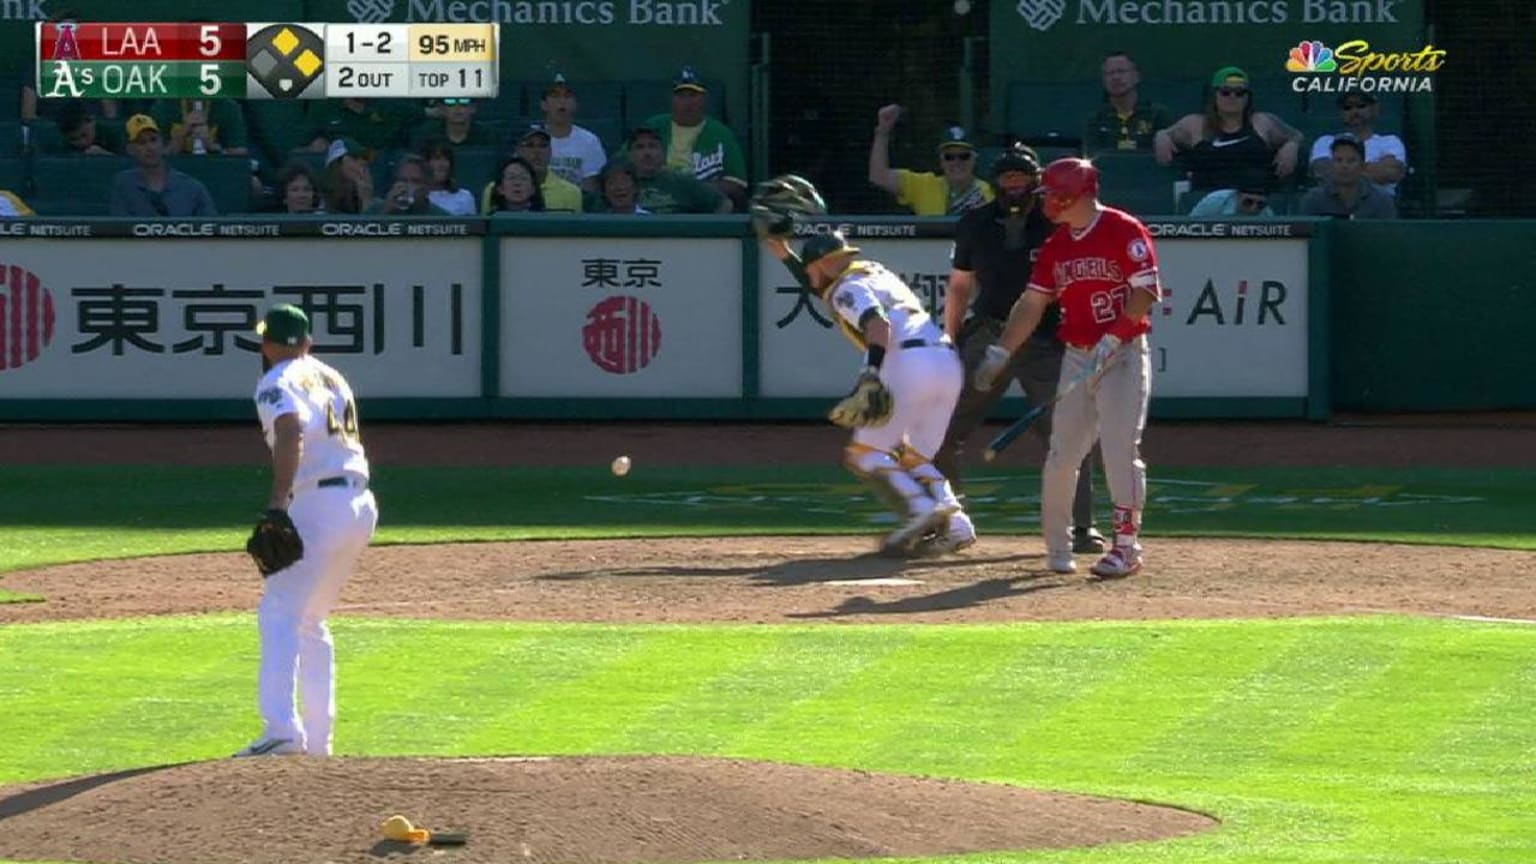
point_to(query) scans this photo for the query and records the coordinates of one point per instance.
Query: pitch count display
(266, 60)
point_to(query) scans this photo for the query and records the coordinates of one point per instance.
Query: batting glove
(1103, 355)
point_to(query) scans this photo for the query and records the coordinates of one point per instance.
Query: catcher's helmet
(1070, 178)
(820, 246)
(1018, 157)
(789, 194)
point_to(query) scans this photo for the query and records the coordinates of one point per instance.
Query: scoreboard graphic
(79, 60)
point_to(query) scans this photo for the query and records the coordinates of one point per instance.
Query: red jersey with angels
(1092, 272)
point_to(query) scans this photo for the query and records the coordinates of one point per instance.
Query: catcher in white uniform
(320, 517)
(912, 377)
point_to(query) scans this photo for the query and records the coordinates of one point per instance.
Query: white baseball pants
(298, 663)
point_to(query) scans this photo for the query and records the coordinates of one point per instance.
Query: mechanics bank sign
(663, 13)
(1044, 14)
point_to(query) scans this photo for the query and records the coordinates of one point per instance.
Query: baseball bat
(1018, 427)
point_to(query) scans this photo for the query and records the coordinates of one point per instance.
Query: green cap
(1226, 74)
(285, 324)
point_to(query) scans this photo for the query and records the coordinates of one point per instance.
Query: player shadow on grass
(47, 795)
(975, 594)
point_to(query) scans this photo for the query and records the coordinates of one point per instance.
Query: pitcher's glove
(275, 542)
(776, 203)
(870, 404)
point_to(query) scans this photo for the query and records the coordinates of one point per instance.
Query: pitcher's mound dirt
(640, 810)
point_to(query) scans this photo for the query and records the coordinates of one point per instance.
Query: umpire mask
(1015, 174)
(1016, 198)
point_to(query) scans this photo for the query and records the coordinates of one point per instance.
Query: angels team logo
(1138, 250)
(64, 46)
(1041, 14)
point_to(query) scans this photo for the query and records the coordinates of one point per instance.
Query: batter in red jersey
(1101, 267)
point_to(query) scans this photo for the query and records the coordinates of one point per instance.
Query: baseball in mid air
(620, 466)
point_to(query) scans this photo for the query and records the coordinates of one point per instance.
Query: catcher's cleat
(272, 747)
(1087, 541)
(943, 544)
(1118, 563)
(926, 515)
(959, 534)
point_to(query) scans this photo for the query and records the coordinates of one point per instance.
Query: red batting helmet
(1064, 181)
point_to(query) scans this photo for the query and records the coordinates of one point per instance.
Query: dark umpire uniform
(995, 246)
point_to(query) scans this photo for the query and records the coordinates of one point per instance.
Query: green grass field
(1386, 739)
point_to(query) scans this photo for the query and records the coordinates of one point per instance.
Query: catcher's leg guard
(880, 470)
(954, 531)
(905, 494)
(920, 468)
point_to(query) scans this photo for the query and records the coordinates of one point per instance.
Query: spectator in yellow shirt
(954, 190)
(560, 194)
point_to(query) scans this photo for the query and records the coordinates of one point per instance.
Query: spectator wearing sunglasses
(1348, 193)
(1229, 139)
(1386, 159)
(954, 190)
(1248, 200)
(457, 126)
(152, 188)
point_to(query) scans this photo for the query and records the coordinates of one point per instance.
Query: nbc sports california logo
(1041, 14)
(26, 317)
(371, 11)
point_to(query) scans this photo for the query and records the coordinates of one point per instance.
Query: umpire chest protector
(1000, 250)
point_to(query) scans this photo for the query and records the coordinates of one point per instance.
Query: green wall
(1433, 316)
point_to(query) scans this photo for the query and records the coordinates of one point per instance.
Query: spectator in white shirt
(1386, 159)
(576, 153)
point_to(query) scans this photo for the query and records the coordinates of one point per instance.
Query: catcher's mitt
(870, 404)
(275, 542)
(778, 202)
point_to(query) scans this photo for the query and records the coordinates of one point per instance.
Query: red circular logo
(26, 317)
(622, 335)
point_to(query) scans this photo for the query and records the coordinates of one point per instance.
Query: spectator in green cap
(1229, 140)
